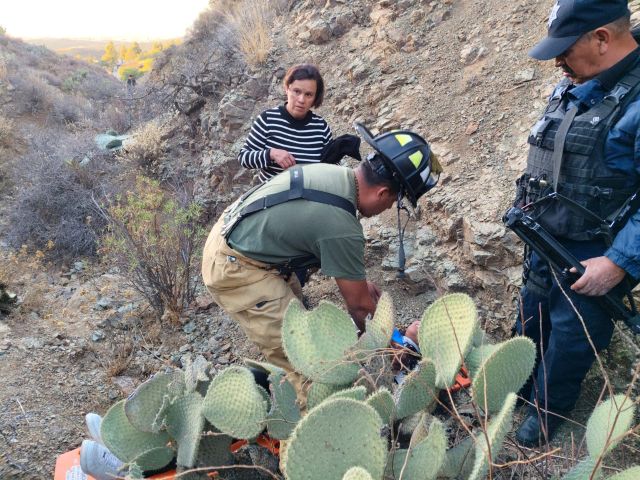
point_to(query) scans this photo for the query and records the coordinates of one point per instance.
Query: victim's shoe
(94, 421)
(96, 460)
(531, 432)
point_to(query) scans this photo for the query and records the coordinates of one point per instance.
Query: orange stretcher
(68, 464)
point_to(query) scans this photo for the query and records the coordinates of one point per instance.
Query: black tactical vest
(584, 176)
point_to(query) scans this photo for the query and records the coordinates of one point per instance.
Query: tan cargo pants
(253, 296)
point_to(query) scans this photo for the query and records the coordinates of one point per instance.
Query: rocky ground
(454, 70)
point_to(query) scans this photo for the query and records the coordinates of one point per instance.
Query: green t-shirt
(301, 227)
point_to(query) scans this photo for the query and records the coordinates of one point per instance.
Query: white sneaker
(97, 461)
(93, 421)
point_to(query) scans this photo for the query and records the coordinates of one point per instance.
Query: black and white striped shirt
(276, 128)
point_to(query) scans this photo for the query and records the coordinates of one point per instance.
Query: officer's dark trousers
(564, 352)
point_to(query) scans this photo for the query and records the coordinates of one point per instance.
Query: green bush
(154, 238)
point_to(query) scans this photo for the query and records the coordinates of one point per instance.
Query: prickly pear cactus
(214, 448)
(357, 473)
(477, 356)
(632, 473)
(129, 444)
(446, 334)
(382, 401)
(357, 393)
(608, 423)
(504, 371)
(459, 460)
(321, 391)
(234, 404)
(497, 429)
(335, 436)
(146, 401)
(185, 422)
(378, 330)
(417, 391)
(284, 413)
(316, 342)
(195, 371)
(584, 471)
(425, 455)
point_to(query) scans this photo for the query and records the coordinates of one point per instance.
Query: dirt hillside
(455, 71)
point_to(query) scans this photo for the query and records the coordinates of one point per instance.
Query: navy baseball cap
(570, 19)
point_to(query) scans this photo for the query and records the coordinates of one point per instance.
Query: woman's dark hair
(306, 71)
(373, 178)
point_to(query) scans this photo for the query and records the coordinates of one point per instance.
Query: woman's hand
(282, 158)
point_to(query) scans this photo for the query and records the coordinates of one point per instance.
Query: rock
(525, 75)
(204, 302)
(31, 343)
(319, 32)
(472, 128)
(126, 384)
(103, 303)
(189, 327)
(470, 54)
(98, 336)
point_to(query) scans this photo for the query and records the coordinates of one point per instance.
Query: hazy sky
(112, 19)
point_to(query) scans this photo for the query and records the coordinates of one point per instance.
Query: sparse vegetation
(146, 148)
(252, 27)
(54, 206)
(154, 238)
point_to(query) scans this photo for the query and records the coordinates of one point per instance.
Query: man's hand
(281, 157)
(359, 297)
(600, 276)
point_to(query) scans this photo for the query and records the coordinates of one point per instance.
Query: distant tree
(3, 31)
(133, 52)
(110, 56)
(124, 72)
(123, 52)
(156, 47)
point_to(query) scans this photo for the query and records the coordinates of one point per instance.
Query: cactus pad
(195, 371)
(320, 391)
(234, 404)
(266, 367)
(335, 436)
(357, 393)
(378, 330)
(632, 473)
(583, 471)
(446, 334)
(214, 448)
(284, 413)
(146, 401)
(505, 370)
(459, 460)
(154, 459)
(425, 456)
(357, 473)
(417, 391)
(382, 401)
(123, 439)
(316, 342)
(477, 356)
(608, 422)
(184, 422)
(497, 429)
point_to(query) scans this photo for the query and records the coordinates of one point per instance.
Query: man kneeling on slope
(306, 217)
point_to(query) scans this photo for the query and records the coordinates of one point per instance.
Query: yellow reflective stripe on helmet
(416, 158)
(403, 139)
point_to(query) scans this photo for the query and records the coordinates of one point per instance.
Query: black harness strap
(297, 191)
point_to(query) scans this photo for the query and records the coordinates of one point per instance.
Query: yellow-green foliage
(154, 238)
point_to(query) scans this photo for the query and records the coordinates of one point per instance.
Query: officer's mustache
(568, 70)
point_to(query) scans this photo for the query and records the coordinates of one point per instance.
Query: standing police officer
(586, 146)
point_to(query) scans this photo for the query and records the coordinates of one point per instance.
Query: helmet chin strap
(401, 256)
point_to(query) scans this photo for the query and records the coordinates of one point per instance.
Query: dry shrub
(251, 22)
(33, 93)
(4, 69)
(154, 236)
(115, 118)
(7, 132)
(147, 147)
(54, 204)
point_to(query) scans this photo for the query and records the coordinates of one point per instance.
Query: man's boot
(537, 429)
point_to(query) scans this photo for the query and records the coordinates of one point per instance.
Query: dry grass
(7, 131)
(146, 148)
(252, 26)
(121, 355)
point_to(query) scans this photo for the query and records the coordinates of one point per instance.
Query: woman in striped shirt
(289, 134)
